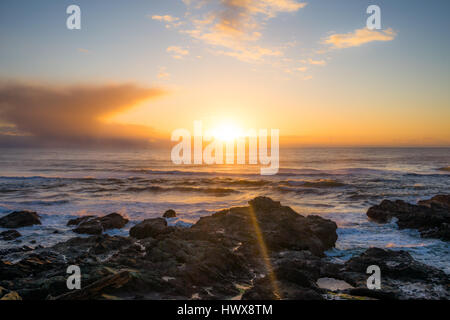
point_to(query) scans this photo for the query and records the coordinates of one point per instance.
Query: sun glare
(227, 132)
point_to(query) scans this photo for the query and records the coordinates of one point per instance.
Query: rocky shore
(430, 217)
(261, 251)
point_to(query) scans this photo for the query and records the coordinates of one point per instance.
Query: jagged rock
(269, 225)
(170, 214)
(95, 289)
(92, 226)
(11, 296)
(265, 244)
(440, 199)
(402, 277)
(432, 220)
(10, 235)
(96, 225)
(19, 219)
(149, 228)
(113, 221)
(77, 221)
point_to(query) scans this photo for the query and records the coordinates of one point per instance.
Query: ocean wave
(44, 203)
(284, 189)
(211, 191)
(321, 183)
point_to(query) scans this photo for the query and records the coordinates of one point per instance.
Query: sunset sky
(140, 69)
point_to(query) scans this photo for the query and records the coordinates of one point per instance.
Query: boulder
(77, 221)
(432, 220)
(96, 225)
(113, 221)
(92, 226)
(10, 235)
(170, 214)
(149, 228)
(402, 277)
(19, 219)
(442, 200)
(266, 224)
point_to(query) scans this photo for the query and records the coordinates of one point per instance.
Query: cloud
(73, 115)
(316, 62)
(165, 18)
(177, 52)
(163, 74)
(170, 20)
(359, 37)
(235, 26)
(82, 50)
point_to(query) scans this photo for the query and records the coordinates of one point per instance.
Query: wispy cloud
(177, 52)
(166, 18)
(316, 62)
(170, 21)
(234, 27)
(359, 37)
(163, 74)
(82, 50)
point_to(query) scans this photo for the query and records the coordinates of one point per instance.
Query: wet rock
(96, 225)
(266, 224)
(442, 200)
(95, 289)
(432, 220)
(10, 235)
(92, 226)
(77, 221)
(11, 296)
(8, 251)
(19, 219)
(113, 221)
(149, 228)
(170, 214)
(261, 251)
(402, 277)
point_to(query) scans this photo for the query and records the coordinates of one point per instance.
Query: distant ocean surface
(335, 183)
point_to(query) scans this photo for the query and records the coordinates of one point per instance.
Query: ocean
(336, 183)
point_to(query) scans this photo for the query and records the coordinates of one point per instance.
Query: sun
(227, 132)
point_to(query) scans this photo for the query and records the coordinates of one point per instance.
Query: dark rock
(96, 225)
(402, 277)
(113, 221)
(441, 200)
(92, 226)
(10, 235)
(261, 251)
(149, 228)
(266, 224)
(432, 220)
(77, 221)
(170, 214)
(19, 219)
